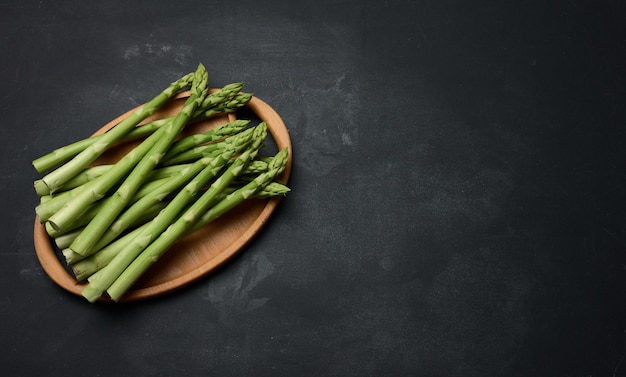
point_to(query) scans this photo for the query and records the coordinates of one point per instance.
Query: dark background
(458, 202)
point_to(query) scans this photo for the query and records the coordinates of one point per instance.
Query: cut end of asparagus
(83, 270)
(53, 225)
(41, 188)
(37, 166)
(71, 258)
(91, 293)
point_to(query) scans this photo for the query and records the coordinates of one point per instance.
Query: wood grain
(201, 252)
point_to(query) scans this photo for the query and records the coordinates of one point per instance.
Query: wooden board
(201, 252)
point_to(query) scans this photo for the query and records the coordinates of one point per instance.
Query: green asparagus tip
(273, 189)
(279, 160)
(234, 87)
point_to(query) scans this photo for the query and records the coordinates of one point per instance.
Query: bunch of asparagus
(112, 222)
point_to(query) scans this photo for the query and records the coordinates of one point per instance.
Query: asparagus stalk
(99, 187)
(65, 242)
(50, 206)
(199, 212)
(55, 179)
(168, 171)
(214, 134)
(256, 166)
(83, 177)
(86, 267)
(47, 209)
(225, 100)
(214, 165)
(188, 152)
(277, 165)
(152, 229)
(90, 266)
(217, 100)
(94, 172)
(272, 189)
(84, 218)
(202, 151)
(84, 243)
(65, 153)
(228, 106)
(110, 273)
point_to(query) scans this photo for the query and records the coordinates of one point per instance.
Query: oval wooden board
(199, 253)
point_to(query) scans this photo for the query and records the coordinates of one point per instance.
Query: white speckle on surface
(346, 139)
(29, 273)
(181, 54)
(329, 125)
(131, 52)
(115, 92)
(233, 293)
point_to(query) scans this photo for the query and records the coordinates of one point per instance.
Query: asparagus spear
(256, 166)
(214, 165)
(214, 134)
(276, 166)
(90, 266)
(162, 222)
(98, 188)
(64, 240)
(91, 212)
(167, 171)
(84, 243)
(81, 178)
(272, 189)
(228, 106)
(55, 179)
(199, 213)
(225, 100)
(202, 151)
(221, 99)
(65, 153)
(50, 206)
(94, 172)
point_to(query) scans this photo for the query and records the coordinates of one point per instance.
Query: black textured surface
(458, 202)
